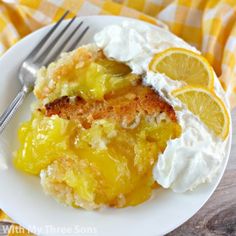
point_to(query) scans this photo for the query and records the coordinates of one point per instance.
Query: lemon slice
(184, 65)
(207, 106)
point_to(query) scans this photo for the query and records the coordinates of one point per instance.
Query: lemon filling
(105, 163)
(113, 161)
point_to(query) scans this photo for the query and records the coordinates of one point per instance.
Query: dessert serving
(137, 109)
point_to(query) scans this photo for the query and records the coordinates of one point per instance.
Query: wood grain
(218, 215)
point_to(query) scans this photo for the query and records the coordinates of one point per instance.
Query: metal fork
(47, 50)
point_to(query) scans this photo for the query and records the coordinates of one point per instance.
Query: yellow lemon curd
(103, 164)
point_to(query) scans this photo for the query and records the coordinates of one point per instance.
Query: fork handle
(12, 108)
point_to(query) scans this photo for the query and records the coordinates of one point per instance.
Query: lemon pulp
(184, 65)
(207, 106)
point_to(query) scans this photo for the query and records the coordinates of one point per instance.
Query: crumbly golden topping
(97, 132)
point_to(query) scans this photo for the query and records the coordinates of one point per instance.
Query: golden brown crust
(125, 105)
(80, 58)
(64, 67)
(53, 181)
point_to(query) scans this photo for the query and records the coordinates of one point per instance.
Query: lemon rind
(217, 99)
(159, 56)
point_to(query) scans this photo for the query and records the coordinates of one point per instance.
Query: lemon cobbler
(96, 132)
(122, 116)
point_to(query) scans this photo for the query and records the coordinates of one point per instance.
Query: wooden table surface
(218, 215)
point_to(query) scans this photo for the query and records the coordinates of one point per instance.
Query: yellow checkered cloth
(209, 25)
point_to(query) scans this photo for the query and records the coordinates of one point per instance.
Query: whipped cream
(135, 44)
(197, 155)
(194, 157)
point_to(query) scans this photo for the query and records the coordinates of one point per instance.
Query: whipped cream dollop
(194, 157)
(134, 44)
(197, 155)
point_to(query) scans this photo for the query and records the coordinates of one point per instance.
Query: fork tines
(54, 43)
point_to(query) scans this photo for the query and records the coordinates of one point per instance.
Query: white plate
(22, 197)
